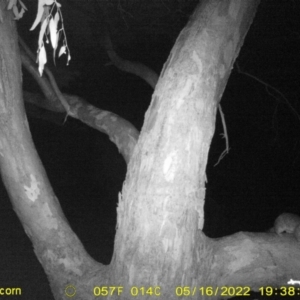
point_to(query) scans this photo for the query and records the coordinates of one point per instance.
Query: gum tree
(159, 244)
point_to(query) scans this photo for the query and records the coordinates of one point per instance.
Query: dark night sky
(254, 183)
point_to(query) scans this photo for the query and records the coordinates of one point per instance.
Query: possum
(288, 223)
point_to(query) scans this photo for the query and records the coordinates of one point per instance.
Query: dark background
(251, 186)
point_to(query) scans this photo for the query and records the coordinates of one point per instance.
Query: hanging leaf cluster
(50, 17)
(18, 8)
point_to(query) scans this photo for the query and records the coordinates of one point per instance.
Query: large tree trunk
(160, 213)
(159, 241)
(55, 244)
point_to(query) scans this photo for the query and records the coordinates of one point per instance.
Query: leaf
(62, 51)
(21, 13)
(56, 18)
(46, 14)
(42, 59)
(69, 58)
(40, 12)
(54, 50)
(38, 15)
(16, 12)
(23, 5)
(11, 3)
(42, 32)
(53, 31)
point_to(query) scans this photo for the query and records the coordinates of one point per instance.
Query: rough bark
(160, 214)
